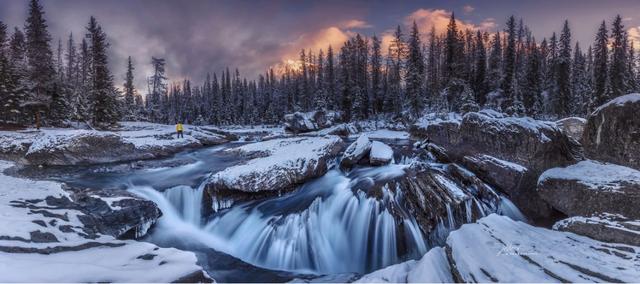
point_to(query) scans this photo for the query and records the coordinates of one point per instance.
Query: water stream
(330, 225)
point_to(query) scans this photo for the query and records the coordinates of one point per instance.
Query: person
(179, 129)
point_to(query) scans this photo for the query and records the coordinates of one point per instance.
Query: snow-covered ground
(41, 242)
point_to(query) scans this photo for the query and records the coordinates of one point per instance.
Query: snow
(619, 101)
(497, 122)
(380, 152)
(611, 221)
(110, 260)
(504, 164)
(431, 268)
(279, 159)
(498, 249)
(386, 134)
(570, 119)
(596, 175)
(358, 149)
(437, 118)
(451, 187)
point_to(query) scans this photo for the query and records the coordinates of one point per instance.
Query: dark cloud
(200, 36)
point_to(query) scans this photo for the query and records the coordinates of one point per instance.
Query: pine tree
(433, 64)
(479, 83)
(129, 91)
(157, 88)
(600, 68)
(618, 67)
(397, 54)
(376, 75)
(563, 77)
(331, 80)
(103, 94)
(532, 87)
(415, 73)
(321, 92)
(579, 83)
(494, 72)
(508, 81)
(41, 72)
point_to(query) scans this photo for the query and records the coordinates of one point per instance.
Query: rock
(591, 187)
(443, 198)
(498, 249)
(535, 145)
(380, 154)
(301, 122)
(117, 213)
(572, 126)
(612, 132)
(433, 267)
(80, 148)
(356, 152)
(276, 166)
(604, 227)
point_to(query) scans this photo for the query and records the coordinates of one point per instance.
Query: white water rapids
(324, 227)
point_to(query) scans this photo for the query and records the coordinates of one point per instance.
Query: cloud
(355, 24)
(633, 34)
(468, 9)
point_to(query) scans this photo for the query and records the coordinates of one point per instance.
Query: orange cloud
(468, 9)
(634, 35)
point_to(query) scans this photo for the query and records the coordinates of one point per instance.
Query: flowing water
(338, 223)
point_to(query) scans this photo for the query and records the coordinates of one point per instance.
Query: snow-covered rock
(380, 154)
(275, 166)
(612, 228)
(611, 132)
(535, 145)
(505, 175)
(433, 267)
(591, 187)
(357, 151)
(499, 249)
(44, 240)
(572, 126)
(300, 122)
(133, 141)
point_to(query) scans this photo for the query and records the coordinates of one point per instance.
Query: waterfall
(187, 202)
(507, 208)
(341, 230)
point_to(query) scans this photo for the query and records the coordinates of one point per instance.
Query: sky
(198, 36)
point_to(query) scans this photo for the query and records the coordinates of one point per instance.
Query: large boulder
(535, 145)
(301, 122)
(499, 249)
(591, 187)
(572, 126)
(611, 228)
(612, 132)
(275, 166)
(380, 154)
(356, 152)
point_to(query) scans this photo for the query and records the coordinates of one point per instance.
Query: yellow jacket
(179, 127)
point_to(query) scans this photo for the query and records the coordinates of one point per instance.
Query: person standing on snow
(179, 129)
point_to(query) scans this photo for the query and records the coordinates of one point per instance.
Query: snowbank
(595, 175)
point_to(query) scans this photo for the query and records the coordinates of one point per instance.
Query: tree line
(459, 70)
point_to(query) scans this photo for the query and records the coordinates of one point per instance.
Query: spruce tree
(618, 67)
(104, 105)
(41, 72)
(129, 92)
(479, 83)
(600, 68)
(508, 79)
(494, 72)
(376, 75)
(563, 76)
(415, 73)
